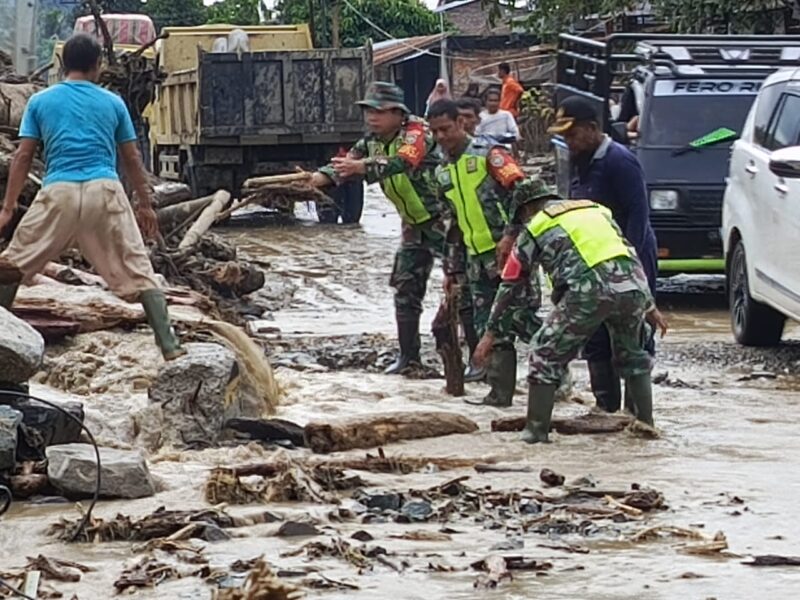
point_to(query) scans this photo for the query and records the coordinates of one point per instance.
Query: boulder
(123, 474)
(195, 395)
(45, 426)
(21, 349)
(9, 427)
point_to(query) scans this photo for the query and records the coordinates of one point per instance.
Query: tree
(550, 17)
(234, 12)
(175, 13)
(399, 18)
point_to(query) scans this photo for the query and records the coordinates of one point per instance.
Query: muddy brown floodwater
(727, 459)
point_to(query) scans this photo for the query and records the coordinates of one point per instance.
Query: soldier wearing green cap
(597, 280)
(400, 154)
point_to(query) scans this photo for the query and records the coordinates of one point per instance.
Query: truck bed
(282, 97)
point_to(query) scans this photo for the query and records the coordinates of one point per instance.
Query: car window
(785, 127)
(765, 108)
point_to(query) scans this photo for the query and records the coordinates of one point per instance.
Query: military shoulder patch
(472, 164)
(411, 138)
(497, 160)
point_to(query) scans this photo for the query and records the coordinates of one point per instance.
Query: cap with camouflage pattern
(531, 190)
(384, 96)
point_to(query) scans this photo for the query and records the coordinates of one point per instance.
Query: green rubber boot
(501, 375)
(155, 307)
(541, 398)
(639, 392)
(7, 294)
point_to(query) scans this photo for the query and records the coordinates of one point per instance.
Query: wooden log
(590, 423)
(170, 193)
(170, 216)
(256, 182)
(206, 219)
(378, 430)
(445, 331)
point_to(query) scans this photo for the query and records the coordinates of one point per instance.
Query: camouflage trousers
(484, 276)
(413, 263)
(574, 319)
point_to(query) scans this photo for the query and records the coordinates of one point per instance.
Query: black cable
(88, 514)
(15, 591)
(7, 502)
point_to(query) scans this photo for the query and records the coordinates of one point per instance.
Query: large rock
(123, 474)
(46, 426)
(196, 395)
(21, 349)
(9, 427)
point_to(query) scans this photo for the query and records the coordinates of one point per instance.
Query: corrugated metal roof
(395, 50)
(451, 5)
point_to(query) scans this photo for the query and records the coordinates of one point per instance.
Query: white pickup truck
(761, 215)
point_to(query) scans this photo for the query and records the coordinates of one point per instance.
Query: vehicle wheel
(327, 214)
(753, 323)
(352, 204)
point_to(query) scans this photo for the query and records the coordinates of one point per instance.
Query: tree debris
(378, 430)
(589, 423)
(57, 569)
(773, 560)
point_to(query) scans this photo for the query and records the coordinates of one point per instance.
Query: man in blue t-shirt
(608, 173)
(82, 128)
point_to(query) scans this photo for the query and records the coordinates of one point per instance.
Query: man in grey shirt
(496, 123)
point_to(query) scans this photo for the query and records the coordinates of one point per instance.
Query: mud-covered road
(727, 460)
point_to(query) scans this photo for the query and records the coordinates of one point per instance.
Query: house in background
(468, 17)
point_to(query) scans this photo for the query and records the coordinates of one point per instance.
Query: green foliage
(183, 13)
(234, 12)
(550, 17)
(400, 18)
(50, 24)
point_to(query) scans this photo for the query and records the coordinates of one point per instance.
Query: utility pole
(335, 23)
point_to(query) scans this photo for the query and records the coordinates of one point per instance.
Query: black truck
(678, 101)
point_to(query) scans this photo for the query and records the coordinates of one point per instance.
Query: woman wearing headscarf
(441, 91)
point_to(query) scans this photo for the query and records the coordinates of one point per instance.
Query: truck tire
(753, 323)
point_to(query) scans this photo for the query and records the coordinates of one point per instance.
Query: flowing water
(722, 438)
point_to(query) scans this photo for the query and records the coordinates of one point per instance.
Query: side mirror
(786, 162)
(619, 133)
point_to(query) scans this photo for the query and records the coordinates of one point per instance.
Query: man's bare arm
(18, 173)
(134, 170)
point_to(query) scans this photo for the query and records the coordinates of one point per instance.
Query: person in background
(83, 129)
(496, 123)
(511, 92)
(469, 110)
(608, 173)
(441, 91)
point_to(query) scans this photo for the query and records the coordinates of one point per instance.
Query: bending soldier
(597, 280)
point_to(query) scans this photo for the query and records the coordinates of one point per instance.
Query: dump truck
(228, 112)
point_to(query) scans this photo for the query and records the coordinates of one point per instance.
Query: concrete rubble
(72, 470)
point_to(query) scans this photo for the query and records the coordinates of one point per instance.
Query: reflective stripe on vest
(400, 190)
(587, 225)
(467, 175)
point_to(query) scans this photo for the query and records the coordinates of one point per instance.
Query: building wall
(463, 62)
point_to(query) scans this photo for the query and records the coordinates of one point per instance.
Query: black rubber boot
(605, 385)
(639, 391)
(408, 336)
(7, 294)
(502, 377)
(155, 307)
(541, 398)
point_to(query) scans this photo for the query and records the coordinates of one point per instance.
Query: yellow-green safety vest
(467, 175)
(400, 190)
(588, 226)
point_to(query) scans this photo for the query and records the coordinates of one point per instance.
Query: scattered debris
(146, 573)
(551, 478)
(297, 529)
(589, 423)
(423, 536)
(57, 569)
(362, 536)
(268, 430)
(773, 560)
(378, 430)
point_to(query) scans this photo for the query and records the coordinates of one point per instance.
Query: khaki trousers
(97, 218)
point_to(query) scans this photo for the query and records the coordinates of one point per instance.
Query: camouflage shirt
(555, 251)
(412, 153)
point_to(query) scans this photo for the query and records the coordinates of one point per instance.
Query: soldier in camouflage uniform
(400, 153)
(597, 279)
(479, 179)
